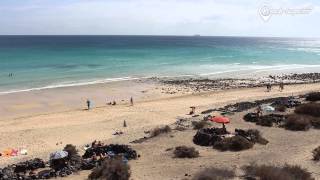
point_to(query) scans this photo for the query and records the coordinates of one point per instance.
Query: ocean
(40, 62)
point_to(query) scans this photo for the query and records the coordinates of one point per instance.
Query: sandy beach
(45, 121)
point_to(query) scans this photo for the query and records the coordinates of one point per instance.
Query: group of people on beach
(88, 102)
(281, 87)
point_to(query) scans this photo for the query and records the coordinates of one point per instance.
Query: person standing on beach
(259, 111)
(268, 87)
(88, 104)
(281, 86)
(131, 101)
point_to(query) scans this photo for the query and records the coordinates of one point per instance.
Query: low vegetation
(185, 152)
(71, 149)
(200, 124)
(255, 137)
(312, 109)
(160, 130)
(316, 154)
(180, 128)
(235, 143)
(266, 172)
(111, 169)
(265, 121)
(315, 96)
(214, 174)
(281, 108)
(297, 122)
(315, 122)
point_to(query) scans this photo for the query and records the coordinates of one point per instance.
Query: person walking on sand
(269, 87)
(131, 101)
(88, 104)
(281, 86)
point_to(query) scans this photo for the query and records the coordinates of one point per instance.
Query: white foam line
(256, 68)
(71, 84)
(220, 72)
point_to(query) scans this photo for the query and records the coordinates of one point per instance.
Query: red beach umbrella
(221, 119)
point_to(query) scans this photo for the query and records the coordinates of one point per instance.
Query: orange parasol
(221, 119)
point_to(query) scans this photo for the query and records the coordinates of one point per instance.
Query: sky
(160, 17)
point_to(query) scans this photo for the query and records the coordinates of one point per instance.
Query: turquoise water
(39, 62)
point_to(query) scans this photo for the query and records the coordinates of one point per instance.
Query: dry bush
(186, 152)
(312, 109)
(297, 172)
(160, 130)
(316, 154)
(269, 172)
(297, 122)
(256, 137)
(235, 143)
(74, 158)
(265, 121)
(214, 174)
(315, 122)
(281, 108)
(111, 169)
(71, 149)
(200, 124)
(315, 96)
(180, 128)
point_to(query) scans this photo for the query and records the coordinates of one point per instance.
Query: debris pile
(112, 149)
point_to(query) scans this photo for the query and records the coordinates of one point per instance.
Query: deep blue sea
(39, 62)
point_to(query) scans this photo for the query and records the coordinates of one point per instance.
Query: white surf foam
(71, 84)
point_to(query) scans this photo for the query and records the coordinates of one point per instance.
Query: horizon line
(195, 35)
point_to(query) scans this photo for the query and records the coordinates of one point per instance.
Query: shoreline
(212, 76)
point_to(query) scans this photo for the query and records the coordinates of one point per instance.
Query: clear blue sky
(157, 17)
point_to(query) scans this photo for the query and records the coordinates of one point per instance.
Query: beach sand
(39, 120)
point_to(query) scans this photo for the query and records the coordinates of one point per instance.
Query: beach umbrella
(221, 119)
(58, 155)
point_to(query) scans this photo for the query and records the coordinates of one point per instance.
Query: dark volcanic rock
(117, 149)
